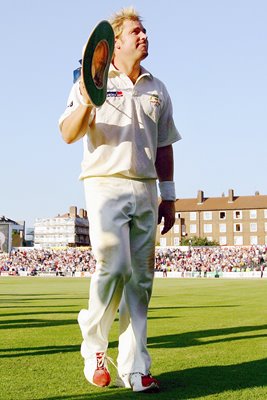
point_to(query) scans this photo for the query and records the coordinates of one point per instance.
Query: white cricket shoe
(138, 382)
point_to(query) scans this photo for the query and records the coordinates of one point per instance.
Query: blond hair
(119, 17)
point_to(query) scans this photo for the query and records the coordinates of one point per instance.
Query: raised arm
(75, 126)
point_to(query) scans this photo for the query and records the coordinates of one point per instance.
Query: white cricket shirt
(125, 132)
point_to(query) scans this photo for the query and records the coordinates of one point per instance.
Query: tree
(198, 241)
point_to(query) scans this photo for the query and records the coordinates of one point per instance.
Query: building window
(176, 228)
(253, 240)
(207, 215)
(265, 213)
(193, 216)
(163, 242)
(265, 226)
(238, 240)
(222, 240)
(210, 238)
(222, 215)
(237, 227)
(222, 228)
(266, 240)
(253, 227)
(237, 214)
(193, 228)
(207, 228)
(253, 214)
(176, 241)
(177, 215)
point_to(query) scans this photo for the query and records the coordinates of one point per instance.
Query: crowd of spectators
(58, 261)
(193, 259)
(212, 259)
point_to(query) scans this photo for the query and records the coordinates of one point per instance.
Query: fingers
(167, 212)
(168, 224)
(82, 87)
(84, 92)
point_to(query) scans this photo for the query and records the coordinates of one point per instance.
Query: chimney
(73, 212)
(230, 196)
(200, 197)
(81, 213)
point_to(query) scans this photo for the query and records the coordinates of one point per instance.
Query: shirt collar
(144, 72)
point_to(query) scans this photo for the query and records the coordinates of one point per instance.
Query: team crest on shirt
(114, 93)
(154, 99)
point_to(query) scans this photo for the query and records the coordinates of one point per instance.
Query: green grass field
(207, 338)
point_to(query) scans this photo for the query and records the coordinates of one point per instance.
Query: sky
(211, 55)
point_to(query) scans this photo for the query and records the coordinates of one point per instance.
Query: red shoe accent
(149, 381)
(101, 376)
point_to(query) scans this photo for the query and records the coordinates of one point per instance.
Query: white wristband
(167, 190)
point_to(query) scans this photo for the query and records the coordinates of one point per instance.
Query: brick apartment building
(229, 220)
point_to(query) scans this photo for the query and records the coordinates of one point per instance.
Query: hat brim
(96, 61)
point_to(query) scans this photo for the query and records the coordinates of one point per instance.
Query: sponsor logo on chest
(114, 93)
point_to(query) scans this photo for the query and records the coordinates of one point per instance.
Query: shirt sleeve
(74, 100)
(167, 131)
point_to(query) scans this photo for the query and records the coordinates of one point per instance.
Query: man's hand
(167, 212)
(83, 92)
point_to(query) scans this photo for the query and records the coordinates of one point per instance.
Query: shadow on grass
(41, 323)
(34, 323)
(38, 313)
(60, 297)
(198, 338)
(187, 339)
(38, 306)
(190, 307)
(191, 383)
(73, 311)
(38, 351)
(28, 294)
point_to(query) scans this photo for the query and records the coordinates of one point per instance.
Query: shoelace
(101, 358)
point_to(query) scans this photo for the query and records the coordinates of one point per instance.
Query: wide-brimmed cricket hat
(96, 61)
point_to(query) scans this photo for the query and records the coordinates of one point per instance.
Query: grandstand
(180, 262)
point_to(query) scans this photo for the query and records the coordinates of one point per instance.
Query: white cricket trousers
(122, 217)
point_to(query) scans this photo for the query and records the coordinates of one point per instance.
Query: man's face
(133, 42)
